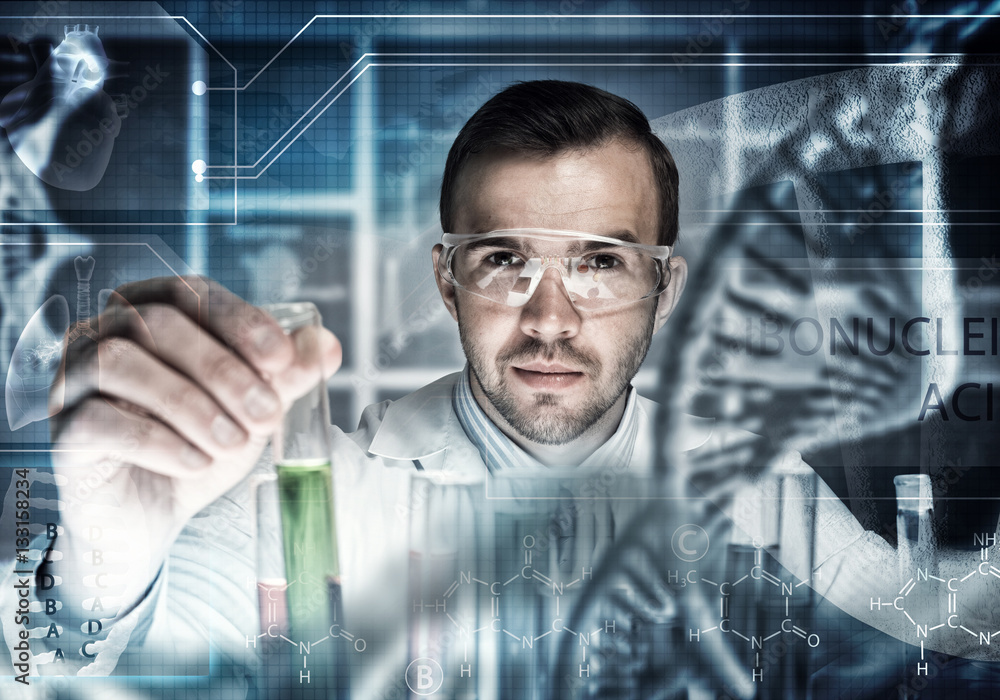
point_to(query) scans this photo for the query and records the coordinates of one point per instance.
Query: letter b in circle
(424, 676)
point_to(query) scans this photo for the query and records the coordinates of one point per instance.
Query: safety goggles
(598, 272)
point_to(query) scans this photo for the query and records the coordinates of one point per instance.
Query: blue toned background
(834, 166)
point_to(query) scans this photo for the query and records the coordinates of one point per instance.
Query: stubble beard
(544, 420)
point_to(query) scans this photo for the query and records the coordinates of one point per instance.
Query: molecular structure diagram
(274, 623)
(921, 590)
(426, 671)
(757, 574)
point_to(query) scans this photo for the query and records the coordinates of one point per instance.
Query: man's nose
(549, 313)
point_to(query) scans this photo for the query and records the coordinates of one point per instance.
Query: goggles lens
(597, 271)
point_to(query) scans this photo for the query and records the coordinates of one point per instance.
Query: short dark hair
(545, 117)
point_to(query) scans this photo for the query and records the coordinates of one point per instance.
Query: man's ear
(667, 301)
(446, 288)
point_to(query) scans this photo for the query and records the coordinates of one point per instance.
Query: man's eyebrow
(624, 235)
(494, 242)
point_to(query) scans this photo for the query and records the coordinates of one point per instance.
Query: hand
(166, 411)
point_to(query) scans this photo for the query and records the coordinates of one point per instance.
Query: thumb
(317, 356)
(331, 352)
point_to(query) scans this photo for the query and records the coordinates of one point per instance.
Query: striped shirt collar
(499, 452)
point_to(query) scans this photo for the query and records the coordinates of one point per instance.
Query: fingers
(184, 374)
(99, 427)
(317, 356)
(135, 341)
(289, 362)
(249, 331)
(331, 351)
(171, 397)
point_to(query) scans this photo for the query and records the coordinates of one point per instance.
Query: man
(561, 206)
(175, 402)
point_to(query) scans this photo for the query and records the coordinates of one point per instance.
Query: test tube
(301, 449)
(917, 554)
(914, 533)
(271, 583)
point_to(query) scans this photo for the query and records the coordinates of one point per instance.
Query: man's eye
(503, 259)
(603, 261)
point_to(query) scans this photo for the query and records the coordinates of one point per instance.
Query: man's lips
(547, 376)
(546, 368)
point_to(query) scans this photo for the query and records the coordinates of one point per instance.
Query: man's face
(547, 371)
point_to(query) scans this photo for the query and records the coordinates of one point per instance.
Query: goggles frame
(452, 241)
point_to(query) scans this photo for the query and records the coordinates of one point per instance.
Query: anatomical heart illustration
(62, 124)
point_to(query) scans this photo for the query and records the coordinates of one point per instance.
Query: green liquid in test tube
(305, 486)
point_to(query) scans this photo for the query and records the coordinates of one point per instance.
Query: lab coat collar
(420, 424)
(423, 424)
